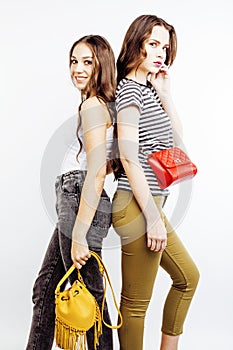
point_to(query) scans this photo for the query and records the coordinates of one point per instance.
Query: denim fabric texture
(57, 261)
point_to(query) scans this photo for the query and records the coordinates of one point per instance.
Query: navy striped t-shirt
(155, 129)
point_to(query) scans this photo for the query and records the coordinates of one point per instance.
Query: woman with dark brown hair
(83, 206)
(148, 122)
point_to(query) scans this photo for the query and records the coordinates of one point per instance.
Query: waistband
(75, 173)
(78, 174)
(160, 200)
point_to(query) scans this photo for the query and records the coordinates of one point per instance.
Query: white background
(37, 98)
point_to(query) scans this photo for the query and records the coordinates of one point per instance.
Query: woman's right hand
(79, 253)
(156, 236)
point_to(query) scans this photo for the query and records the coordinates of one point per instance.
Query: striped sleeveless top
(155, 129)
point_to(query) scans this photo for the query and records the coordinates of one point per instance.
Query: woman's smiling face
(81, 65)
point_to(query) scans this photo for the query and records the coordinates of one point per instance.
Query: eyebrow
(84, 57)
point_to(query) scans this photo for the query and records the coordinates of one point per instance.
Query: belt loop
(61, 181)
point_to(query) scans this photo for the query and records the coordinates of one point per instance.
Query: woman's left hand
(161, 81)
(80, 253)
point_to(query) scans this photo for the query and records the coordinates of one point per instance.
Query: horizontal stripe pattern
(155, 129)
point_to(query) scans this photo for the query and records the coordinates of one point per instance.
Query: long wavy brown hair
(133, 50)
(103, 79)
(102, 83)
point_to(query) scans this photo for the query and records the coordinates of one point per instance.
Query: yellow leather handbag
(77, 311)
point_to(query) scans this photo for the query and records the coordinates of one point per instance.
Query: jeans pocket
(103, 215)
(67, 202)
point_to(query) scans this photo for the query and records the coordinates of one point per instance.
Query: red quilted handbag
(171, 166)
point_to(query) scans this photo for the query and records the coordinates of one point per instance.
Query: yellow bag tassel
(97, 327)
(73, 339)
(68, 338)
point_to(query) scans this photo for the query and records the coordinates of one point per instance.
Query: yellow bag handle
(104, 272)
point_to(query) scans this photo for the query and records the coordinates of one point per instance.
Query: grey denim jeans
(57, 261)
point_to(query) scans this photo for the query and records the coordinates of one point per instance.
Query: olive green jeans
(139, 269)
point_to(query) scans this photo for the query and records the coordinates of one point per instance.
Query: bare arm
(95, 119)
(127, 121)
(161, 83)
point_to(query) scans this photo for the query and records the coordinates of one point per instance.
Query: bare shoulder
(92, 102)
(99, 108)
